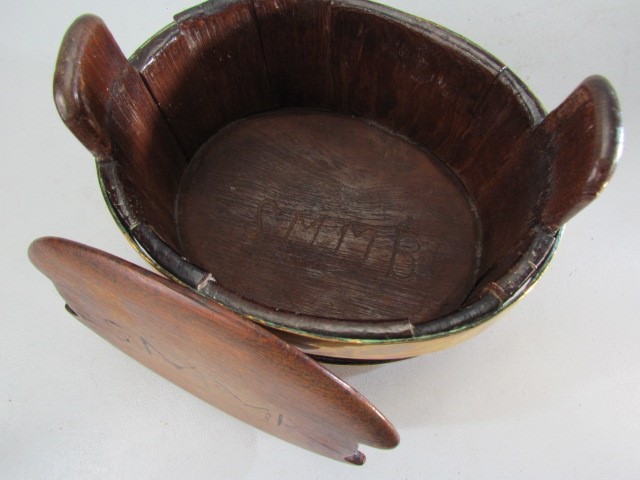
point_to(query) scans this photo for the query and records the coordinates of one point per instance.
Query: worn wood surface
(507, 186)
(296, 40)
(212, 353)
(328, 216)
(105, 103)
(585, 138)
(209, 71)
(408, 75)
(287, 216)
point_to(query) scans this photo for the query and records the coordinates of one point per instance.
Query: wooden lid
(213, 353)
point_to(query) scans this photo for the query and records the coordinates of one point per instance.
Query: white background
(552, 390)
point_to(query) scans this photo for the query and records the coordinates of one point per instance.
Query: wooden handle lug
(585, 134)
(88, 66)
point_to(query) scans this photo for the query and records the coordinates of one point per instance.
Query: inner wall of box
(226, 61)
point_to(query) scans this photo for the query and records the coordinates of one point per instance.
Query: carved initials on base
(395, 245)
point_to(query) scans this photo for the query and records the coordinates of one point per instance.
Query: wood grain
(506, 185)
(208, 70)
(214, 354)
(296, 40)
(104, 102)
(408, 75)
(329, 216)
(431, 186)
(585, 133)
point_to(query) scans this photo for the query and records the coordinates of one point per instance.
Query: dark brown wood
(296, 40)
(507, 186)
(208, 70)
(439, 201)
(552, 167)
(105, 103)
(585, 135)
(214, 354)
(329, 216)
(409, 75)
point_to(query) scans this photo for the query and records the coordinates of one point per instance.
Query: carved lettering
(403, 263)
(299, 219)
(264, 207)
(115, 329)
(150, 349)
(265, 413)
(358, 233)
(396, 246)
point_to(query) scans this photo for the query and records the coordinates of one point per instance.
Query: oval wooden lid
(213, 353)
